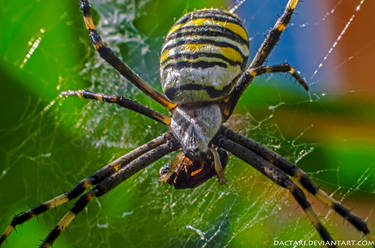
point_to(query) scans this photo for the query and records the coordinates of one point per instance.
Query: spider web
(66, 140)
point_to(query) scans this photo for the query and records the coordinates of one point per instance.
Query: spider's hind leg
(274, 35)
(121, 101)
(107, 54)
(263, 52)
(279, 68)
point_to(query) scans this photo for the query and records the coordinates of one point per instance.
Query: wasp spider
(203, 74)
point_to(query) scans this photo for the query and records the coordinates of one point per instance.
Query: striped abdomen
(203, 54)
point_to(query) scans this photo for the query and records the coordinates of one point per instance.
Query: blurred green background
(48, 144)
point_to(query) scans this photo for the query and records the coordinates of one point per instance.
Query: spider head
(195, 151)
(187, 173)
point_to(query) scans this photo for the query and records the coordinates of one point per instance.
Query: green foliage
(49, 144)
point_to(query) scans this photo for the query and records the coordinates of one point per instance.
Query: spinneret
(203, 55)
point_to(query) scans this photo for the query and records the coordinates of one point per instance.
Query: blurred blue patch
(301, 45)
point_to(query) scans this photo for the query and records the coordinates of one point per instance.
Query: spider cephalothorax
(203, 73)
(195, 126)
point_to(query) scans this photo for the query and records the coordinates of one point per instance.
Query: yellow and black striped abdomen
(203, 54)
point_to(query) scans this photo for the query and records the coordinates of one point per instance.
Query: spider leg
(280, 178)
(218, 166)
(274, 35)
(302, 178)
(121, 101)
(109, 183)
(107, 54)
(265, 49)
(278, 68)
(84, 184)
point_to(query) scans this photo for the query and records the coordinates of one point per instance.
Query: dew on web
(325, 17)
(237, 5)
(33, 44)
(339, 37)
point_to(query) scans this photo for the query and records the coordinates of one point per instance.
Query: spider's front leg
(278, 177)
(109, 183)
(78, 189)
(302, 178)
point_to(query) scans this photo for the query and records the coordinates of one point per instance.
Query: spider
(203, 75)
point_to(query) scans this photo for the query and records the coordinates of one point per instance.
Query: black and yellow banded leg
(335, 205)
(277, 176)
(301, 177)
(306, 206)
(53, 203)
(278, 68)
(108, 55)
(78, 189)
(265, 49)
(109, 183)
(123, 161)
(121, 101)
(68, 218)
(274, 35)
(230, 101)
